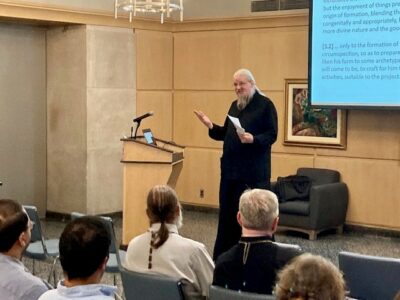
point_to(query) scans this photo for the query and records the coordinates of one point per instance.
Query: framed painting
(311, 126)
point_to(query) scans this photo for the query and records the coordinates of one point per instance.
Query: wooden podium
(145, 166)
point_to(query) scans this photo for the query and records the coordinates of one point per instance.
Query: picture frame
(310, 126)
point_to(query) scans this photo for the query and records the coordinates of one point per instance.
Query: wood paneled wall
(186, 66)
(154, 85)
(198, 60)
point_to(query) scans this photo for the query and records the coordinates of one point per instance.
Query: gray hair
(249, 76)
(247, 73)
(258, 209)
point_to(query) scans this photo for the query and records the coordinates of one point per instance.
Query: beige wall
(91, 99)
(204, 62)
(154, 80)
(110, 109)
(66, 119)
(204, 58)
(23, 114)
(185, 66)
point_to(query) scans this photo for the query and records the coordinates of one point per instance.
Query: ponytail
(161, 236)
(162, 203)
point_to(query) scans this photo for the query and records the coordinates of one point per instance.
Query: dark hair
(13, 221)
(162, 203)
(84, 244)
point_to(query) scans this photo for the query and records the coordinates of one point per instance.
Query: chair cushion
(320, 176)
(297, 207)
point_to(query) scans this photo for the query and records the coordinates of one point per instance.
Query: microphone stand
(137, 127)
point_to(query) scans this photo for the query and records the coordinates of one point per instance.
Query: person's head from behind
(245, 87)
(397, 296)
(258, 211)
(84, 249)
(310, 277)
(163, 207)
(15, 228)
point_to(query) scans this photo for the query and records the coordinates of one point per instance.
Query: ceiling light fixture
(163, 7)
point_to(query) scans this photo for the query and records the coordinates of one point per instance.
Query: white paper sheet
(236, 123)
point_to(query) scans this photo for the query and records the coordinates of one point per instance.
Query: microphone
(138, 119)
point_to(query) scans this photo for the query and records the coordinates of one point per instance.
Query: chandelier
(162, 7)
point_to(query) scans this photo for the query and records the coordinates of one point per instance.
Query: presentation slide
(354, 57)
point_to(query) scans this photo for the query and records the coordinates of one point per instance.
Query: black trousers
(229, 230)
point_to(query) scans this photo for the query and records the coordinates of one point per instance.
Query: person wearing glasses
(246, 156)
(16, 283)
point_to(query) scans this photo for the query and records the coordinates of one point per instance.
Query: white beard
(242, 102)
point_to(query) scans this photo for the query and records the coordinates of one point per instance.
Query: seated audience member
(252, 264)
(161, 250)
(310, 277)
(16, 283)
(84, 245)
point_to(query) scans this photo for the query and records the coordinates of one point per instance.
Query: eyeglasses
(240, 83)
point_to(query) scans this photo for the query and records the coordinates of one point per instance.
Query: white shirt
(87, 292)
(178, 257)
(16, 283)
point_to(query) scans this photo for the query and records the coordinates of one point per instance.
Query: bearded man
(246, 157)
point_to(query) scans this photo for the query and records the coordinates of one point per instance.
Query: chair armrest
(328, 204)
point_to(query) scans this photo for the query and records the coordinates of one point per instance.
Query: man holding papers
(249, 130)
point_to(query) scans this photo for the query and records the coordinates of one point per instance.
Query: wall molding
(48, 16)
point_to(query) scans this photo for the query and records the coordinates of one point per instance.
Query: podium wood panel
(145, 166)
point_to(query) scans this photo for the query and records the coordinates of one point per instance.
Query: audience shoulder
(197, 251)
(192, 245)
(48, 295)
(139, 238)
(33, 286)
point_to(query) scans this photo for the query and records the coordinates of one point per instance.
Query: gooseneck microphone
(138, 119)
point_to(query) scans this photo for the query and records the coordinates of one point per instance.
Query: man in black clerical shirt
(252, 264)
(246, 155)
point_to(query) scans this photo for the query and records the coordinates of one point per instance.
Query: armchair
(326, 207)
